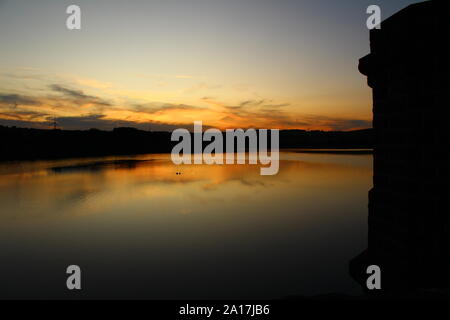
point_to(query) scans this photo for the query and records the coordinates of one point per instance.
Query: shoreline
(335, 151)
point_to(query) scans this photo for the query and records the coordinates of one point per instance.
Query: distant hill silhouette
(29, 144)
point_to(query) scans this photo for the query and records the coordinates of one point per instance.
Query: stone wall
(409, 209)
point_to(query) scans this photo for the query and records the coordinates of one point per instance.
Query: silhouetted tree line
(24, 143)
(356, 139)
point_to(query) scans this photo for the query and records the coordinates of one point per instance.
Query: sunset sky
(162, 64)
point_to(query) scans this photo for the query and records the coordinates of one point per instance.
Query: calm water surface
(138, 229)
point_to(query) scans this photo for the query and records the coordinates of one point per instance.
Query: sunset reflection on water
(142, 227)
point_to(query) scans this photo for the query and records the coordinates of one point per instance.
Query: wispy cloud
(78, 96)
(74, 108)
(13, 99)
(152, 108)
